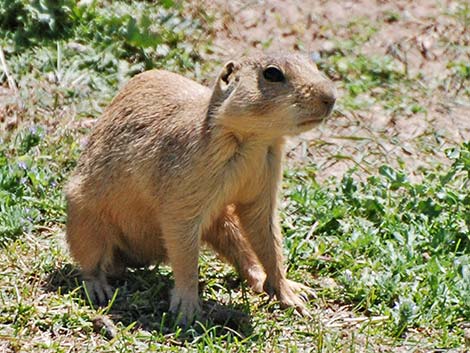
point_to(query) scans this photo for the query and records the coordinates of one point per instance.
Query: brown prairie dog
(172, 164)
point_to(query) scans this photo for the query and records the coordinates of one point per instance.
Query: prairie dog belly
(140, 238)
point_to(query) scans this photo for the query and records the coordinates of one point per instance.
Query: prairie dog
(172, 164)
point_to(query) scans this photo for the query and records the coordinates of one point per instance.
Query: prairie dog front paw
(185, 303)
(291, 294)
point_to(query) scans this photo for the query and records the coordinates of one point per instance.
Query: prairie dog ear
(224, 85)
(227, 74)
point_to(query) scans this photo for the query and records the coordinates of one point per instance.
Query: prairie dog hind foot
(98, 289)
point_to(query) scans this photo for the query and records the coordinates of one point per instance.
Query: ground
(375, 206)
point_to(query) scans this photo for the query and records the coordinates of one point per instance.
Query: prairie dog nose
(328, 95)
(329, 100)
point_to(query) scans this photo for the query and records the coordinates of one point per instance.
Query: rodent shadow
(143, 298)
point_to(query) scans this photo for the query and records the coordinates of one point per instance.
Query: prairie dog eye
(273, 74)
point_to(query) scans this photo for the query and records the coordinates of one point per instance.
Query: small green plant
(32, 169)
(362, 73)
(30, 22)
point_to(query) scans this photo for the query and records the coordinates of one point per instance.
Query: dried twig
(348, 321)
(12, 84)
(11, 81)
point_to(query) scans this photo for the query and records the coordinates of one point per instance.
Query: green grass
(387, 252)
(394, 247)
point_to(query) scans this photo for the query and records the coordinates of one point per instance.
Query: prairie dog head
(271, 95)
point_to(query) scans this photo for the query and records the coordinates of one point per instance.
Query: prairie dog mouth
(308, 117)
(310, 121)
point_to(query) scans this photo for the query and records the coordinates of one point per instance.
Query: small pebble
(105, 326)
(315, 56)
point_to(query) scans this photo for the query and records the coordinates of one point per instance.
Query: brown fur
(172, 163)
